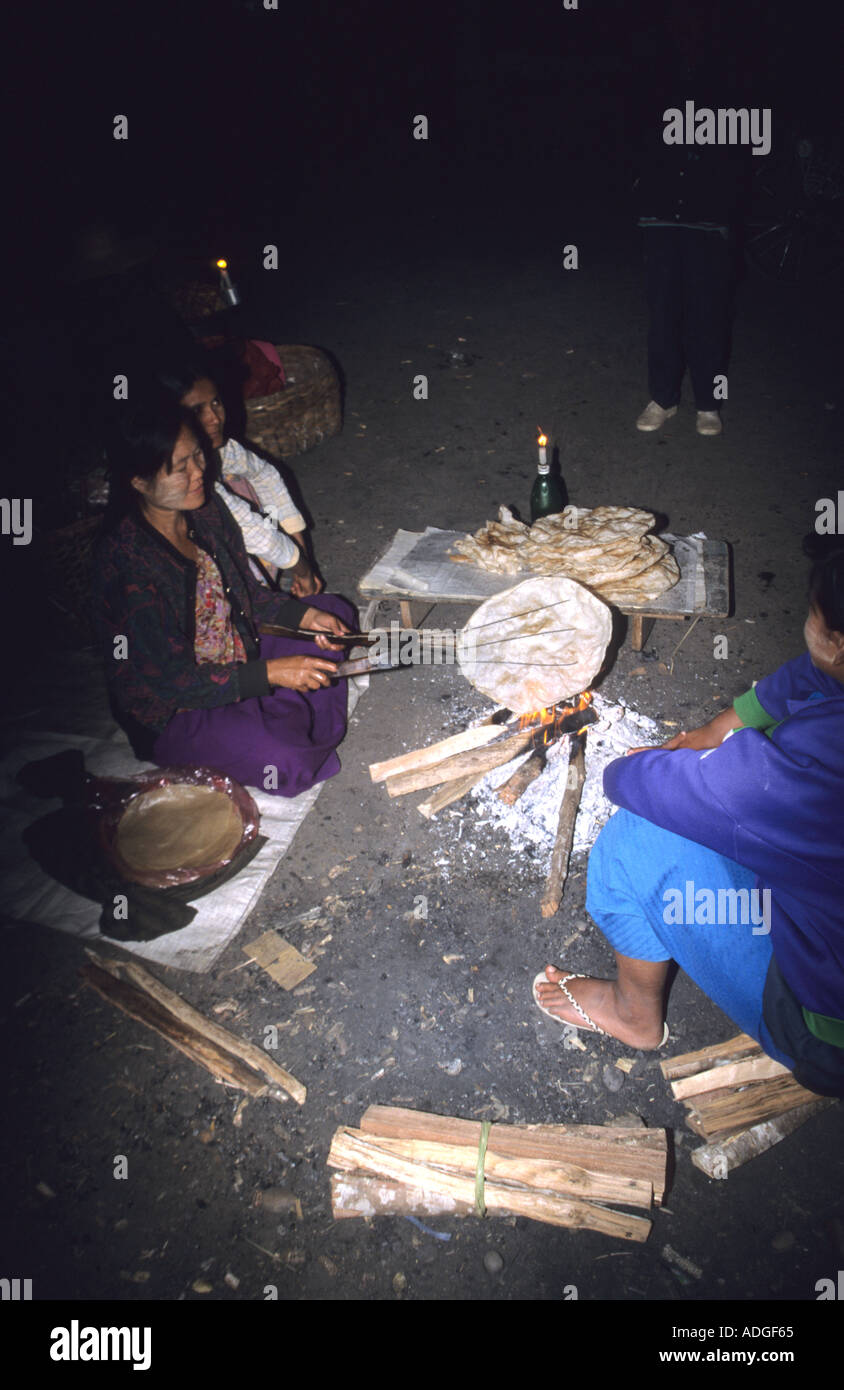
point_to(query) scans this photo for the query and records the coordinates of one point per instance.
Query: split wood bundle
(738, 1099)
(228, 1058)
(401, 1161)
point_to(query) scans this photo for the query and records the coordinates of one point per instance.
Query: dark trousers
(689, 275)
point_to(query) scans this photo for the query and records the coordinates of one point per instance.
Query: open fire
(566, 717)
(456, 764)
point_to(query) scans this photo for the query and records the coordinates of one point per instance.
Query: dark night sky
(294, 127)
(225, 98)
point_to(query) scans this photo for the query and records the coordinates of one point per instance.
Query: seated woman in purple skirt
(178, 615)
(728, 857)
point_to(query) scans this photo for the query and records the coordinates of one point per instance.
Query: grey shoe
(709, 422)
(653, 417)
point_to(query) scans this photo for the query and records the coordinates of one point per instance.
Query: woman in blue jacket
(728, 857)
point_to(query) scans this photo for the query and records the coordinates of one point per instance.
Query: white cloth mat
(30, 895)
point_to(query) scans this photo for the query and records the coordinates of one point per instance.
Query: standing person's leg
(644, 892)
(664, 285)
(707, 274)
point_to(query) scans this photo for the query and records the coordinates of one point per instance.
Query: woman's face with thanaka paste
(203, 399)
(179, 485)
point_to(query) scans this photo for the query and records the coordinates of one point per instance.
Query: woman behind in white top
(273, 527)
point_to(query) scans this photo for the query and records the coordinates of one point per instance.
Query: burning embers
(457, 764)
(566, 717)
(547, 726)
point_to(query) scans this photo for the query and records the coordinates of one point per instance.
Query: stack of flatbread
(606, 548)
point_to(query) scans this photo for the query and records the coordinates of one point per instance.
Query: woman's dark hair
(826, 580)
(142, 443)
(223, 366)
(177, 378)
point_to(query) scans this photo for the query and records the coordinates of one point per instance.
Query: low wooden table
(415, 569)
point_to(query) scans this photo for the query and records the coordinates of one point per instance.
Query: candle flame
(542, 440)
(222, 265)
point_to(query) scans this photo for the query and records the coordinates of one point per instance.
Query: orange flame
(542, 440)
(552, 715)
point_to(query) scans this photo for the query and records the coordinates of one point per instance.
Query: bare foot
(636, 1022)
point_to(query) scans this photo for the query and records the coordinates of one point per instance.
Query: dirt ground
(436, 1013)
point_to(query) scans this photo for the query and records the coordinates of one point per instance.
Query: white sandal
(589, 1025)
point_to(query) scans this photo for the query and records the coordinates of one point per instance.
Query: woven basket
(195, 300)
(69, 565)
(305, 413)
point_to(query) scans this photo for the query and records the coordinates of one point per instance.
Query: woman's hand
(709, 735)
(316, 620)
(301, 672)
(305, 582)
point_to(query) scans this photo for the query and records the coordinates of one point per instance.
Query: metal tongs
(359, 667)
(310, 634)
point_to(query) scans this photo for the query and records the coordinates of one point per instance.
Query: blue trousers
(657, 896)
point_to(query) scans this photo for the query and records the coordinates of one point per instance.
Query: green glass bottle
(547, 496)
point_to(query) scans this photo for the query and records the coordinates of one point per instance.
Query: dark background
(294, 127)
(299, 119)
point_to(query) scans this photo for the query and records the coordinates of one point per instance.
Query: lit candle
(227, 289)
(542, 441)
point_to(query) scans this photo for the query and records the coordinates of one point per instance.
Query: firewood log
(716, 1113)
(357, 1152)
(718, 1159)
(627, 1152)
(569, 807)
(478, 762)
(359, 1194)
(226, 1056)
(448, 793)
(522, 778)
(690, 1063)
(475, 737)
(732, 1074)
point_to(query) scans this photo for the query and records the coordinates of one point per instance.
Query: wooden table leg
(640, 630)
(406, 611)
